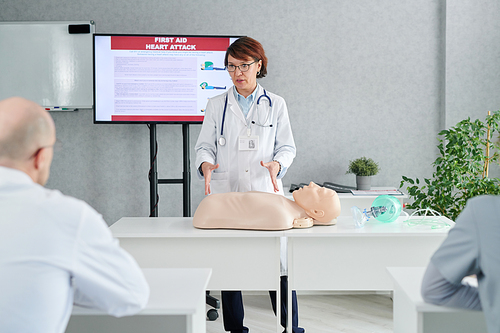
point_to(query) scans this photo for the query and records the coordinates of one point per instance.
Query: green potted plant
(363, 168)
(461, 169)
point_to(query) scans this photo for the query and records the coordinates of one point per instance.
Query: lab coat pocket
(220, 182)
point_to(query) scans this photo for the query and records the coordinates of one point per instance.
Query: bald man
(55, 251)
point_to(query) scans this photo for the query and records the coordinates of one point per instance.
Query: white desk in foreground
(343, 257)
(239, 259)
(176, 305)
(413, 315)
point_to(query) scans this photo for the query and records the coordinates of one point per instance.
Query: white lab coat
(240, 171)
(55, 251)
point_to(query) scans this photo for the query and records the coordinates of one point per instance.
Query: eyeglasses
(242, 67)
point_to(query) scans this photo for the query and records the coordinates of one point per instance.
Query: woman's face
(245, 82)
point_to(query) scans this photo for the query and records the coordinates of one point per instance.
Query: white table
(339, 257)
(176, 305)
(239, 259)
(413, 315)
(343, 257)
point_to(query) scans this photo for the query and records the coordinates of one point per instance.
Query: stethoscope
(222, 140)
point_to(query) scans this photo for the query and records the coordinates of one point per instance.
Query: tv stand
(153, 173)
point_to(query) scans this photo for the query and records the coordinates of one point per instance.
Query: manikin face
(311, 195)
(316, 199)
(245, 82)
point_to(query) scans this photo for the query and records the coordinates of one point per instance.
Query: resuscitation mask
(385, 208)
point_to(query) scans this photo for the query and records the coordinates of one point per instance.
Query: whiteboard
(43, 62)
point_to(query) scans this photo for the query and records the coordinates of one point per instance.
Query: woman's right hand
(207, 169)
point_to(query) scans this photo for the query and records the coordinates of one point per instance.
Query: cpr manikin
(313, 205)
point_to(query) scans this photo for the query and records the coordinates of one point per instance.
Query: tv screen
(157, 78)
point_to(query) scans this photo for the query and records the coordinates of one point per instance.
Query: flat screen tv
(157, 78)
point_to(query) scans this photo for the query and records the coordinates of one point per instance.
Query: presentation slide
(157, 78)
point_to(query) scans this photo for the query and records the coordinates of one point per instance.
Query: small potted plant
(363, 168)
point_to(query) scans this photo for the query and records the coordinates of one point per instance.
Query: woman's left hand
(274, 169)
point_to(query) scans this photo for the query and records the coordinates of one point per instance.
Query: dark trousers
(233, 312)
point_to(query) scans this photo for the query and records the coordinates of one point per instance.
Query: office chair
(212, 314)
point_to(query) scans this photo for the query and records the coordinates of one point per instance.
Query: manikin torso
(250, 210)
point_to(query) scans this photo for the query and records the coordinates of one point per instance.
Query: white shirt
(55, 251)
(245, 103)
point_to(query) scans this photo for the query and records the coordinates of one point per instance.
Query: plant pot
(363, 182)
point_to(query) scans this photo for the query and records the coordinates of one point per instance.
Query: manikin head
(320, 203)
(27, 137)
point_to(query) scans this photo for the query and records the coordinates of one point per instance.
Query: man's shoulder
(58, 197)
(482, 199)
(58, 203)
(484, 204)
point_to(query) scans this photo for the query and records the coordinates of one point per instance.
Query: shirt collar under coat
(232, 104)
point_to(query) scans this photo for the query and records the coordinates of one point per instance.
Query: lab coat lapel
(254, 105)
(234, 107)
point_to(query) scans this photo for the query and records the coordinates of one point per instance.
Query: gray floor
(358, 313)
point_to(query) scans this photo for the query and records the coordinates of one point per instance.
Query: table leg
(290, 284)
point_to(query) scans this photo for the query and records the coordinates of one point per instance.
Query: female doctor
(246, 141)
(245, 144)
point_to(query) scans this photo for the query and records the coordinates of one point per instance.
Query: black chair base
(212, 314)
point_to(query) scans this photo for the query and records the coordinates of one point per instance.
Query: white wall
(472, 59)
(361, 78)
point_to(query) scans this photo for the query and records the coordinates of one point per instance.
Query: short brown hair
(245, 47)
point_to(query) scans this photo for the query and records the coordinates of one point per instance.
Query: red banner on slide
(164, 43)
(158, 118)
